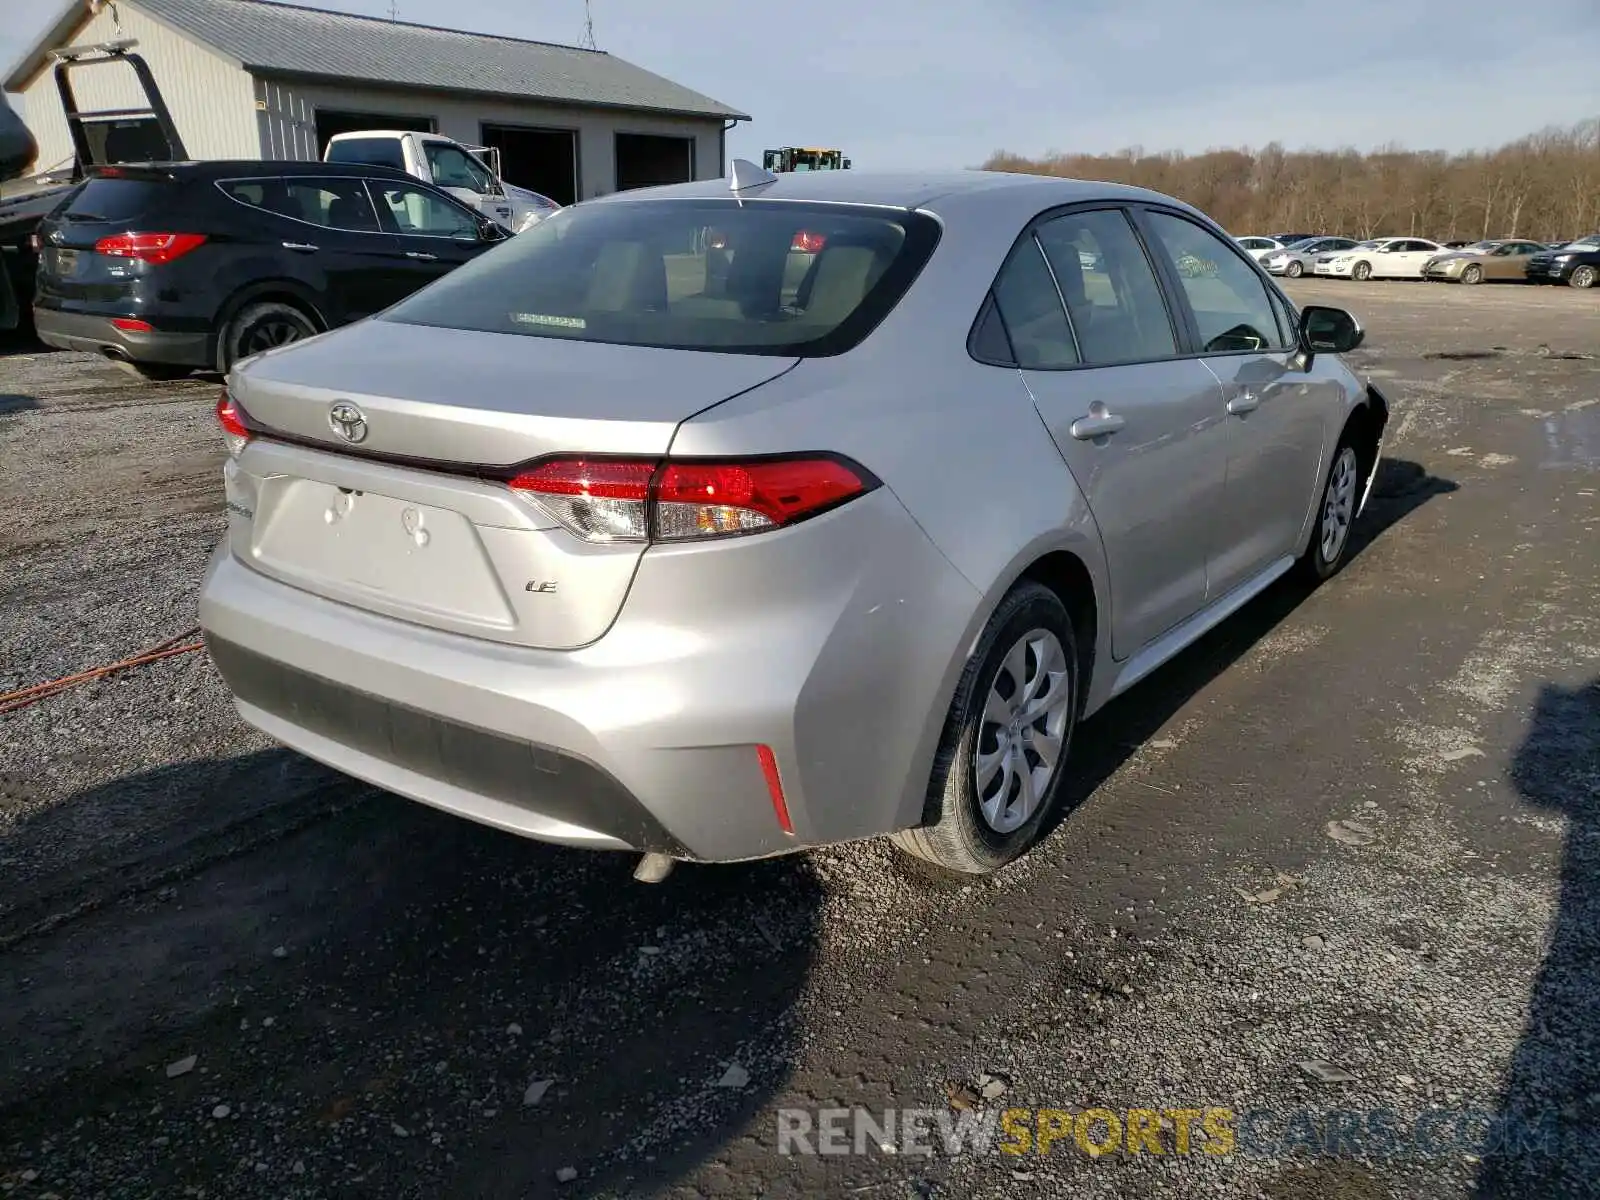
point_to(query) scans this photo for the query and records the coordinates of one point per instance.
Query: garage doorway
(648, 160)
(332, 121)
(541, 160)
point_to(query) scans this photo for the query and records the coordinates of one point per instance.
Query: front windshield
(1586, 244)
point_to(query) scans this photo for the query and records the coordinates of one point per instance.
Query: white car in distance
(1380, 258)
(1259, 247)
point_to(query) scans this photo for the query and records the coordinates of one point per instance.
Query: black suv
(1576, 264)
(168, 267)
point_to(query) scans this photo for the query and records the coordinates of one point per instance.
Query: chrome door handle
(1096, 425)
(418, 254)
(1244, 402)
(303, 247)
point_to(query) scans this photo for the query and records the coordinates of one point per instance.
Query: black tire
(1294, 270)
(958, 837)
(1472, 273)
(263, 325)
(1361, 272)
(152, 372)
(1584, 277)
(1326, 555)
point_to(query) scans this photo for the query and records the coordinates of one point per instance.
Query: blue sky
(908, 83)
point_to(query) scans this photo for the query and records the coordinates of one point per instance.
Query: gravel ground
(1351, 834)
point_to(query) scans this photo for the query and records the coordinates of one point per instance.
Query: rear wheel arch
(1067, 575)
(266, 291)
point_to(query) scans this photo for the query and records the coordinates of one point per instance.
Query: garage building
(255, 79)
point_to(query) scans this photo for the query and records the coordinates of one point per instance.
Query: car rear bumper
(835, 645)
(97, 335)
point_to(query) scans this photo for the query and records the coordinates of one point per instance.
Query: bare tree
(1546, 185)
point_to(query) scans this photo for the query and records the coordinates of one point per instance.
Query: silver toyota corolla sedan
(725, 519)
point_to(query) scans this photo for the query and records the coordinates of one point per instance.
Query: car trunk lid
(413, 519)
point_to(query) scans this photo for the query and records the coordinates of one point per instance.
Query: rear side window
(1109, 287)
(257, 193)
(380, 152)
(335, 203)
(115, 199)
(1025, 295)
(758, 277)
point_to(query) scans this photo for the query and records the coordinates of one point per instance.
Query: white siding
(211, 100)
(289, 124)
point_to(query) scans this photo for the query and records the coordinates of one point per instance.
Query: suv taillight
(153, 248)
(637, 500)
(234, 431)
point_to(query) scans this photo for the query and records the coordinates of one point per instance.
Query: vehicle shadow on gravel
(1546, 1141)
(1399, 489)
(380, 997)
(12, 403)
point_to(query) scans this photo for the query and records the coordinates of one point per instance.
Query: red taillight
(153, 248)
(132, 325)
(637, 500)
(808, 243)
(234, 430)
(769, 770)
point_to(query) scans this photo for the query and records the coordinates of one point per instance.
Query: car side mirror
(1329, 330)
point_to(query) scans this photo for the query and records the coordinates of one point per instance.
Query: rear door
(332, 223)
(1139, 425)
(434, 234)
(1410, 255)
(1274, 411)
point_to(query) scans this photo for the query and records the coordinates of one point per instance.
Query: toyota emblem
(348, 421)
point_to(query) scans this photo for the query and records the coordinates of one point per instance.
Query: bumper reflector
(769, 768)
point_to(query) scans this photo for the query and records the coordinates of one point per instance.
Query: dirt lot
(369, 988)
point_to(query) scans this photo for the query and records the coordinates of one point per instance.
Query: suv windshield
(758, 277)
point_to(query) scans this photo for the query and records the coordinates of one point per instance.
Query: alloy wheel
(1023, 730)
(1339, 504)
(1584, 277)
(267, 334)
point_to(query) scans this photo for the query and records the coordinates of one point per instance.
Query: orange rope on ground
(11, 701)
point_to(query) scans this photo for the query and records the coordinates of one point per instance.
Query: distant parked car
(1289, 239)
(167, 268)
(686, 573)
(1381, 258)
(1297, 258)
(1459, 244)
(1481, 261)
(1576, 264)
(1259, 247)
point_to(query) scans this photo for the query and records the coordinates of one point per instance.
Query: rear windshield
(380, 152)
(112, 200)
(761, 277)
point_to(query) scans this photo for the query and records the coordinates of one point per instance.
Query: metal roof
(285, 39)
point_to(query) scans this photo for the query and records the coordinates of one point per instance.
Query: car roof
(1001, 194)
(227, 167)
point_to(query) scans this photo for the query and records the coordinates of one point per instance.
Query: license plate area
(400, 556)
